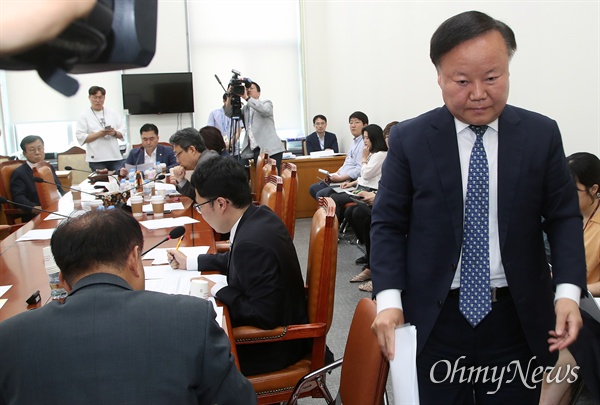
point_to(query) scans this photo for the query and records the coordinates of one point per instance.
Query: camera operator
(259, 123)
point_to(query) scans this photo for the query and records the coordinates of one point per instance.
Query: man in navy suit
(22, 186)
(417, 231)
(321, 139)
(150, 151)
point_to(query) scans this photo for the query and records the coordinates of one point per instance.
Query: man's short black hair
(85, 242)
(148, 128)
(224, 177)
(188, 137)
(321, 116)
(30, 139)
(463, 27)
(95, 89)
(361, 116)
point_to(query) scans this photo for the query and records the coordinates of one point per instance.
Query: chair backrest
(304, 151)
(272, 195)
(74, 157)
(47, 193)
(6, 170)
(258, 180)
(364, 370)
(289, 174)
(321, 270)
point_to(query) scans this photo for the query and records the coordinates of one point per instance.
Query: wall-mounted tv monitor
(158, 93)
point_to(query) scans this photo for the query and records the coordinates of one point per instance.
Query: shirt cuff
(182, 183)
(192, 263)
(216, 288)
(566, 290)
(389, 299)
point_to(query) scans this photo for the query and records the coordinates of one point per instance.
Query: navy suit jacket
(417, 222)
(22, 186)
(119, 346)
(265, 287)
(313, 145)
(164, 154)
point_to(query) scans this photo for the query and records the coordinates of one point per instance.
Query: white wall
(374, 57)
(358, 55)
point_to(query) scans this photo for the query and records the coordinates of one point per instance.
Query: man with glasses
(22, 186)
(190, 152)
(99, 128)
(264, 281)
(350, 170)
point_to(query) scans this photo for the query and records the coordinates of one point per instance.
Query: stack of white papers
(160, 255)
(37, 234)
(404, 366)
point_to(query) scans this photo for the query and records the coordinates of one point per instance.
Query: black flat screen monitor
(158, 93)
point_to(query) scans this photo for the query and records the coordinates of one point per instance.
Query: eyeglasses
(179, 153)
(198, 207)
(33, 150)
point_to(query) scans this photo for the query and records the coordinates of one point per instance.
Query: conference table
(22, 262)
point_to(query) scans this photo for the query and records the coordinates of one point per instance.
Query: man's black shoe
(361, 260)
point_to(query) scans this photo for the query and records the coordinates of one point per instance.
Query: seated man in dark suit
(22, 186)
(264, 281)
(321, 139)
(112, 341)
(150, 151)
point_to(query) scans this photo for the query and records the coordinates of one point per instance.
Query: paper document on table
(56, 215)
(4, 288)
(321, 153)
(404, 366)
(160, 255)
(37, 234)
(168, 222)
(168, 207)
(3, 301)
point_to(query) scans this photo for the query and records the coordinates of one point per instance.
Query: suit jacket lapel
(442, 139)
(510, 155)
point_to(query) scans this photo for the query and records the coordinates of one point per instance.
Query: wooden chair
(320, 286)
(74, 157)
(272, 195)
(256, 175)
(47, 193)
(364, 369)
(289, 174)
(11, 212)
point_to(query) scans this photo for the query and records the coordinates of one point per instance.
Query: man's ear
(132, 262)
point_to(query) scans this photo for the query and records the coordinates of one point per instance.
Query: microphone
(217, 77)
(174, 234)
(40, 180)
(4, 200)
(78, 170)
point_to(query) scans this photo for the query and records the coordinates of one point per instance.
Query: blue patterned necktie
(475, 298)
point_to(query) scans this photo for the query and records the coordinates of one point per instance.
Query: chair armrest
(223, 246)
(249, 334)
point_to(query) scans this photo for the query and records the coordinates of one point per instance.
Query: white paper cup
(199, 288)
(136, 205)
(158, 205)
(76, 193)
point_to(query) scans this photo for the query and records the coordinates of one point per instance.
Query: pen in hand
(176, 249)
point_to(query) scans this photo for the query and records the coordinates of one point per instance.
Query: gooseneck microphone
(174, 234)
(40, 180)
(4, 200)
(78, 170)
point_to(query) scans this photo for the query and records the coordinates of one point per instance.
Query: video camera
(237, 87)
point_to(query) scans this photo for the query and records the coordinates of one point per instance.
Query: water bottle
(56, 291)
(131, 176)
(122, 185)
(147, 190)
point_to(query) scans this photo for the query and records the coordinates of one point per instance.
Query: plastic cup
(136, 205)
(158, 206)
(199, 288)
